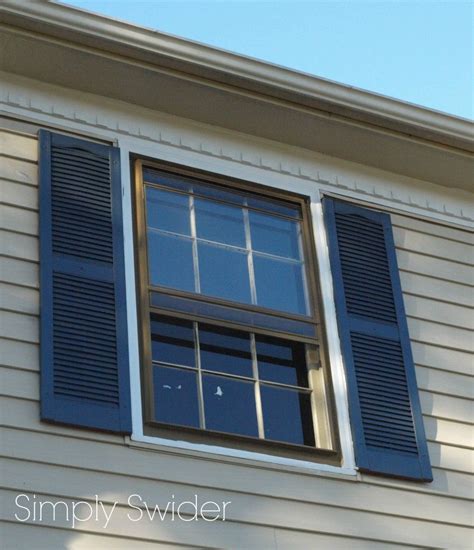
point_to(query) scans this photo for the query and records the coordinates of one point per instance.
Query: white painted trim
(332, 334)
(243, 455)
(131, 297)
(348, 464)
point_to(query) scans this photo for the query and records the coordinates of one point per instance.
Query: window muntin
(222, 246)
(221, 386)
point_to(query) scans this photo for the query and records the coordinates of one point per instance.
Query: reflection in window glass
(228, 401)
(202, 189)
(229, 405)
(172, 341)
(274, 205)
(228, 245)
(171, 261)
(219, 222)
(225, 350)
(213, 257)
(287, 415)
(224, 273)
(279, 284)
(274, 235)
(281, 361)
(176, 396)
(168, 211)
(173, 181)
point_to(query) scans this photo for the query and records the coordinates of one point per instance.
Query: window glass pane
(279, 285)
(168, 211)
(230, 405)
(176, 396)
(287, 415)
(170, 261)
(224, 273)
(274, 235)
(225, 350)
(172, 341)
(219, 222)
(281, 361)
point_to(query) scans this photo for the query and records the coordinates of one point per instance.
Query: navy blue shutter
(84, 350)
(385, 411)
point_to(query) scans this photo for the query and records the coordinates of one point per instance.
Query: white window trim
(348, 466)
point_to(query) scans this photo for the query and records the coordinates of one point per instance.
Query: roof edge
(141, 44)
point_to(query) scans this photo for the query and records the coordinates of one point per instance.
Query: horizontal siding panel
(19, 298)
(215, 534)
(445, 481)
(300, 540)
(434, 267)
(450, 408)
(426, 502)
(19, 220)
(441, 358)
(23, 247)
(72, 483)
(19, 170)
(451, 458)
(436, 311)
(18, 194)
(449, 383)
(19, 272)
(433, 246)
(432, 228)
(40, 537)
(450, 433)
(440, 335)
(19, 354)
(23, 384)
(156, 534)
(436, 289)
(19, 145)
(19, 327)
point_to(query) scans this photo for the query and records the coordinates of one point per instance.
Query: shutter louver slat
(383, 397)
(69, 182)
(84, 359)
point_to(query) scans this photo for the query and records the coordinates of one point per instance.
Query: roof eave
(125, 62)
(167, 51)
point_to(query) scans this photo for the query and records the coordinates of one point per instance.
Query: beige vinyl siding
(271, 507)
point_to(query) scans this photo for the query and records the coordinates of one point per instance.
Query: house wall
(272, 506)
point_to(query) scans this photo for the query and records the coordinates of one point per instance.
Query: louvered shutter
(384, 405)
(84, 352)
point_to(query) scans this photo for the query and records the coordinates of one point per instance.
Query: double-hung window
(232, 346)
(231, 337)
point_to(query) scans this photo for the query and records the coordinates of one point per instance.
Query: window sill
(239, 457)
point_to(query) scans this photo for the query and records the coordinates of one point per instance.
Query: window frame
(325, 421)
